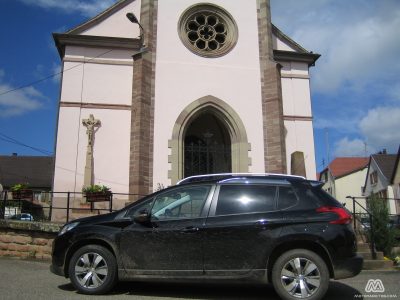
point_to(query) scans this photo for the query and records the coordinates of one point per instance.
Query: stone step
(368, 255)
(381, 264)
(361, 239)
(363, 247)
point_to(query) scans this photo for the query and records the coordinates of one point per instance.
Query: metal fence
(59, 207)
(364, 220)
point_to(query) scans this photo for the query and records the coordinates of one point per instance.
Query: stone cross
(91, 123)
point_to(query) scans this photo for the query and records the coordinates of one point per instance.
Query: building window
(374, 177)
(207, 30)
(382, 194)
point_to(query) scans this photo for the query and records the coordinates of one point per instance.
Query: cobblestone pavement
(22, 279)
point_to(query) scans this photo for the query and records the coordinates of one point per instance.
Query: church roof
(36, 171)
(279, 34)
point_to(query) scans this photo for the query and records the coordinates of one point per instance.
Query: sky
(355, 85)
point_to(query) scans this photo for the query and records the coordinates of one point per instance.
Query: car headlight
(68, 227)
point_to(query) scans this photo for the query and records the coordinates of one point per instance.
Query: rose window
(207, 30)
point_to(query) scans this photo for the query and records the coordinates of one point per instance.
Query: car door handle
(190, 229)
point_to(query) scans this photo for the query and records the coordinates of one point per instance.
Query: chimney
(384, 151)
(15, 154)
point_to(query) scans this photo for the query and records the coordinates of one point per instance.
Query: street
(22, 279)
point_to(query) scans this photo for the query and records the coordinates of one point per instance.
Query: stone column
(298, 165)
(272, 106)
(142, 116)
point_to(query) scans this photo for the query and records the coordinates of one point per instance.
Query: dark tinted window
(237, 199)
(312, 196)
(287, 197)
(140, 208)
(181, 202)
(325, 197)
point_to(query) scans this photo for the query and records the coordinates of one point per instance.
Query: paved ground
(21, 279)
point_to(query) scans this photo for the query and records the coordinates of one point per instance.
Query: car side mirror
(142, 218)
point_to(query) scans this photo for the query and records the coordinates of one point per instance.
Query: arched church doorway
(208, 121)
(207, 146)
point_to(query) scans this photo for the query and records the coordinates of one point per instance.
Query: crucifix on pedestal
(91, 123)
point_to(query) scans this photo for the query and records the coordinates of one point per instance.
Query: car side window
(287, 197)
(180, 203)
(140, 208)
(238, 199)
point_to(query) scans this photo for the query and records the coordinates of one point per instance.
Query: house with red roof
(345, 176)
(379, 180)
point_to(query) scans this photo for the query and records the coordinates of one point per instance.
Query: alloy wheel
(300, 277)
(91, 270)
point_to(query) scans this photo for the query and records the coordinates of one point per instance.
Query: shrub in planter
(21, 191)
(97, 193)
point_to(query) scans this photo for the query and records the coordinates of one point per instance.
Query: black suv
(280, 229)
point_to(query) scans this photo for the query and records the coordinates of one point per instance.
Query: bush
(384, 235)
(19, 187)
(397, 237)
(96, 189)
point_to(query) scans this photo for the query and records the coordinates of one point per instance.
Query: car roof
(238, 178)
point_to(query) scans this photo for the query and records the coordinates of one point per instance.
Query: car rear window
(325, 197)
(312, 196)
(238, 199)
(287, 197)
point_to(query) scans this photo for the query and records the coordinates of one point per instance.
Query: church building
(157, 90)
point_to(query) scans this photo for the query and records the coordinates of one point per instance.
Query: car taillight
(343, 214)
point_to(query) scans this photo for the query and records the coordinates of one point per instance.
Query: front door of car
(171, 243)
(242, 224)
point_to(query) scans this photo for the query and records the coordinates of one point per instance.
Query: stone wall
(27, 239)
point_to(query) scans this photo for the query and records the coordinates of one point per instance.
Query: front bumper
(58, 270)
(349, 267)
(58, 255)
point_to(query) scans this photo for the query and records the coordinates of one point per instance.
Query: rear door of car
(242, 223)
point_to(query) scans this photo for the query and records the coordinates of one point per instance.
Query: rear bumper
(349, 267)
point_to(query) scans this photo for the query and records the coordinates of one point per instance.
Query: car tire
(300, 274)
(93, 270)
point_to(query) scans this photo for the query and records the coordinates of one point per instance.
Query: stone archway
(224, 119)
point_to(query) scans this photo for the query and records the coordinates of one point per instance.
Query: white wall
(280, 45)
(111, 149)
(107, 82)
(183, 77)
(297, 103)
(118, 25)
(380, 185)
(350, 185)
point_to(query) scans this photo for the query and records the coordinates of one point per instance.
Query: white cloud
(87, 8)
(358, 40)
(339, 123)
(346, 147)
(381, 127)
(56, 70)
(379, 130)
(20, 101)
